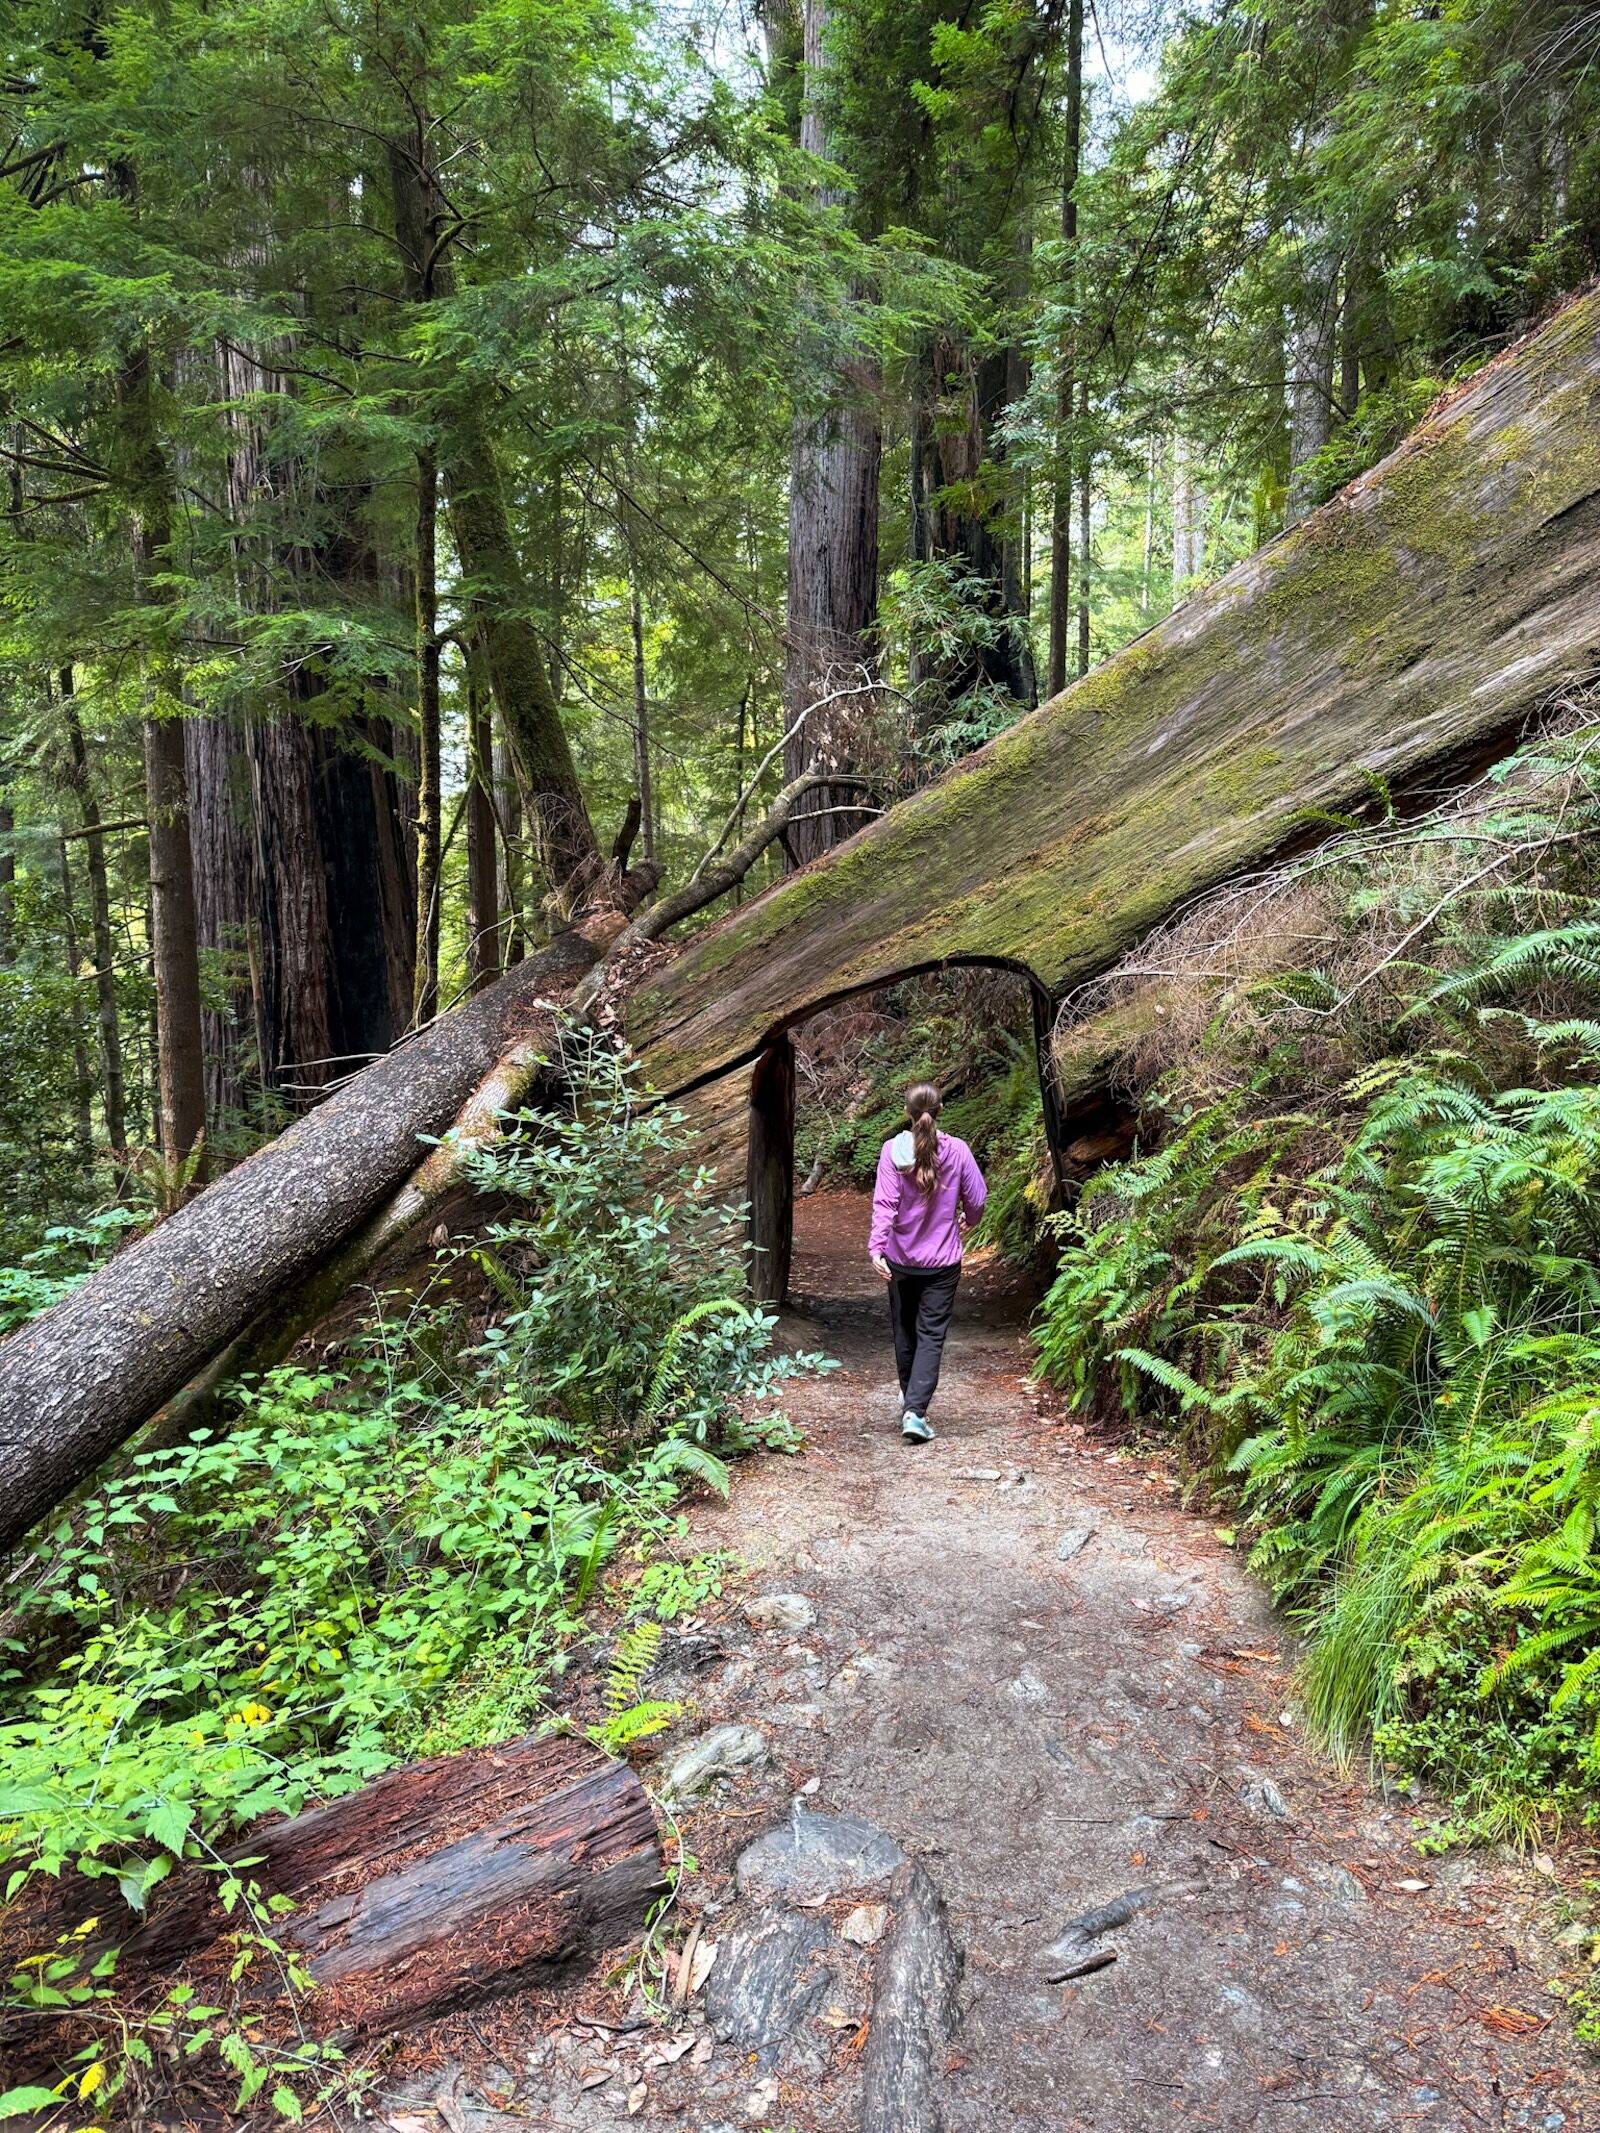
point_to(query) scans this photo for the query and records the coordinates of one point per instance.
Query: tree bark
(174, 936)
(430, 886)
(483, 886)
(75, 1382)
(445, 1883)
(82, 1079)
(105, 983)
(1061, 502)
(834, 457)
(1085, 526)
(769, 1171)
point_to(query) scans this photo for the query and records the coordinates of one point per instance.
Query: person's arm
(974, 1191)
(885, 1206)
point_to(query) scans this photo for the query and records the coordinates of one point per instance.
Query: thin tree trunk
(430, 887)
(483, 904)
(514, 930)
(1188, 522)
(8, 885)
(175, 950)
(641, 708)
(1149, 527)
(82, 1079)
(530, 716)
(105, 982)
(1061, 504)
(1085, 519)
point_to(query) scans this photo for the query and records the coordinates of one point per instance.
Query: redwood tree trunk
(834, 460)
(1061, 498)
(105, 982)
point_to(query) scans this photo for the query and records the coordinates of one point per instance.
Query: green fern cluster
(1376, 1321)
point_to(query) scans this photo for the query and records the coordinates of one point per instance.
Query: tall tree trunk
(483, 890)
(642, 780)
(105, 982)
(514, 924)
(1310, 355)
(8, 885)
(1085, 525)
(174, 937)
(1188, 521)
(530, 716)
(430, 887)
(1061, 504)
(82, 1079)
(834, 458)
(175, 947)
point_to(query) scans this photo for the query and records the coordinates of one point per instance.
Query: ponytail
(923, 1105)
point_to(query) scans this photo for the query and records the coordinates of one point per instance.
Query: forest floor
(1046, 1722)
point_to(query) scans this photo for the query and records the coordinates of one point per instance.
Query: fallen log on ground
(1408, 627)
(78, 1380)
(446, 1883)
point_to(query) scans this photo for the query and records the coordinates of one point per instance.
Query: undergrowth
(1355, 1266)
(387, 1554)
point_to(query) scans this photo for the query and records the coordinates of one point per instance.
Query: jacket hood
(903, 1150)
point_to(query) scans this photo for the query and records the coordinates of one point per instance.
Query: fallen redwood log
(80, 1379)
(448, 1882)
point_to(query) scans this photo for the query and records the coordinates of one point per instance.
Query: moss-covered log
(1415, 619)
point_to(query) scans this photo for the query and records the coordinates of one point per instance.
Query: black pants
(921, 1299)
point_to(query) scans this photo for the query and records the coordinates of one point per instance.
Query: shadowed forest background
(476, 468)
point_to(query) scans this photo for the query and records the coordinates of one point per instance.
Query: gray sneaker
(916, 1429)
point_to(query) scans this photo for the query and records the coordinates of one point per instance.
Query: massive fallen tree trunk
(445, 1883)
(1415, 619)
(77, 1381)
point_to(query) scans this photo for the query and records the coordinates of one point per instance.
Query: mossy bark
(1417, 618)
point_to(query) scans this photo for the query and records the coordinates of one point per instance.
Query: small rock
(1263, 1794)
(790, 1612)
(1171, 1603)
(865, 1924)
(978, 1473)
(1340, 1882)
(1073, 1542)
(814, 1858)
(1027, 1688)
(714, 1755)
(1412, 1885)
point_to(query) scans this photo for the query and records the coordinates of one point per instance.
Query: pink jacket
(911, 1227)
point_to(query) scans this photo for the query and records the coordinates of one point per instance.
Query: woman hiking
(929, 1186)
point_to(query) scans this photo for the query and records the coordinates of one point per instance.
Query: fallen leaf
(409, 2122)
(1413, 1887)
(701, 2055)
(704, 1957)
(638, 2097)
(669, 2054)
(594, 2077)
(450, 2111)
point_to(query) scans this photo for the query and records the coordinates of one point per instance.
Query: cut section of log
(448, 1882)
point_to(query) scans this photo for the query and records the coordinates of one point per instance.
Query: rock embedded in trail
(790, 1612)
(1073, 1542)
(815, 1858)
(717, 1754)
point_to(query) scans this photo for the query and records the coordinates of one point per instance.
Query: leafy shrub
(1376, 1320)
(392, 1551)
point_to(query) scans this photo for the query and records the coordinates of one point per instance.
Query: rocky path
(1016, 1657)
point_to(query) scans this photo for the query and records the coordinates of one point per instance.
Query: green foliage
(391, 1553)
(1376, 1321)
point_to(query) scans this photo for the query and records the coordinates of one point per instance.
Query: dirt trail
(1047, 1734)
(1049, 1722)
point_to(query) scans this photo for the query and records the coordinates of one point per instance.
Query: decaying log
(1409, 625)
(78, 1380)
(446, 1883)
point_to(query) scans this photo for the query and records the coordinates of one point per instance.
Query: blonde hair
(923, 1105)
